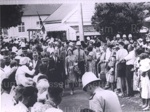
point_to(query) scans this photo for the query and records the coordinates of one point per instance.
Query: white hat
(91, 54)
(88, 38)
(52, 39)
(78, 43)
(18, 57)
(87, 78)
(118, 35)
(145, 65)
(130, 35)
(23, 44)
(124, 35)
(93, 41)
(70, 44)
(24, 60)
(19, 52)
(14, 49)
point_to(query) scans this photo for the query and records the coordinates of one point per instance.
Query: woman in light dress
(70, 62)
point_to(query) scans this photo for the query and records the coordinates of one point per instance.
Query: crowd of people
(35, 73)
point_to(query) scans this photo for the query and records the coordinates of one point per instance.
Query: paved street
(73, 103)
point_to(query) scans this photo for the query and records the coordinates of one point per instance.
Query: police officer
(100, 100)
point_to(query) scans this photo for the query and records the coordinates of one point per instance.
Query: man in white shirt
(121, 54)
(7, 102)
(130, 59)
(100, 100)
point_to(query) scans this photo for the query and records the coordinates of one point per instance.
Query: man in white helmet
(100, 100)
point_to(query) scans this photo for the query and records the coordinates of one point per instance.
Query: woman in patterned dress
(70, 62)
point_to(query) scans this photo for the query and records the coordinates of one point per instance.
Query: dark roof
(86, 28)
(60, 13)
(42, 9)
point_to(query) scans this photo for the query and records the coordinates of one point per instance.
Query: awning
(56, 27)
(88, 30)
(71, 33)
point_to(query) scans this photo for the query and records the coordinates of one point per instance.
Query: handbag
(77, 70)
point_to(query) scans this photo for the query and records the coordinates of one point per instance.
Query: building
(66, 19)
(60, 21)
(30, 19)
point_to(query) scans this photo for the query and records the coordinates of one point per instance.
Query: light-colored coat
(104, 101)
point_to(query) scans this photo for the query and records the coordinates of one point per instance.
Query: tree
(10, 15)
(123, 18)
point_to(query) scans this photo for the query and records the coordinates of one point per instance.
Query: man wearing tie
(80, 54)
(36, 62)
(55, 70)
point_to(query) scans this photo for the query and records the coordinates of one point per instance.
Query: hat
(19, 52)
(124, 35)
(24, 60)
(130, 35)
(14, 49)
(91, 54)
(88, 38)
(93, 41)
(18, 57)
(88, 78)
(70, 44)
(118, 35)
(45, 59)
(145, 65)
(69, 48)
(78, 43)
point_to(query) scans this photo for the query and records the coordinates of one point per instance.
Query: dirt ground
(73, 103)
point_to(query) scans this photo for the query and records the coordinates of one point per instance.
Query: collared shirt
(130, 58)
(79, 54)
(7, 70)
(20, 107)
(104, 101)
(108, 54)
(7, 102)
(21, 79)
(121, 54)
(34, 63)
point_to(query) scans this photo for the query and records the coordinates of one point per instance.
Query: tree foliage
(11, 15)
(123, 18)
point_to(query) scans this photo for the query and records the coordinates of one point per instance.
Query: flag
(41, 23)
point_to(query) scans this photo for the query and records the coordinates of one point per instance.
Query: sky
(5, 2)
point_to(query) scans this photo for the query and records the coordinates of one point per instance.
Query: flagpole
(81, 32)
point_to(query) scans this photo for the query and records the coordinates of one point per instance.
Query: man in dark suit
(55, 70)
(36, 62)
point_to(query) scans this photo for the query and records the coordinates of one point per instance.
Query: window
(37, 23)
(21, 27)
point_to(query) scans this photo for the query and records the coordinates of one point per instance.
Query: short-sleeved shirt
(105, 101)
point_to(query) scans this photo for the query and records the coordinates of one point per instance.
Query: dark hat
(121, 43)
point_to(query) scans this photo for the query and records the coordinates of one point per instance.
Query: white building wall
(29, 22)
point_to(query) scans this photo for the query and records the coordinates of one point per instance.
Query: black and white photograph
(75, 55)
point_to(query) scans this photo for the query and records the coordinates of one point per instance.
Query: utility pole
(81, 32)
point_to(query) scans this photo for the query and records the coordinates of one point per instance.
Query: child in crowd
(111, 72)
(22, 71)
